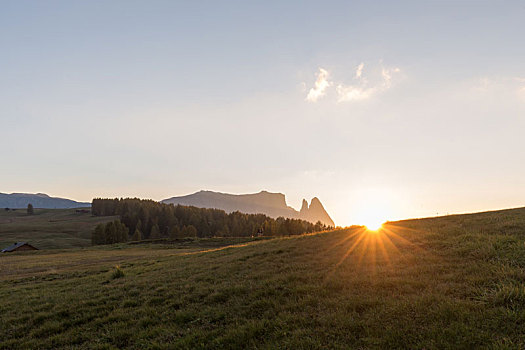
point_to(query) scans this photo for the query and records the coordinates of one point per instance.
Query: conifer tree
(137, 236)
(189, 231)
(122, 231)
(97, 236)
(175, 232)
(111, 233)
(155, 232)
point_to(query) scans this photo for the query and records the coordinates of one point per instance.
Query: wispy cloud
(321, 84)
(353, 93)
(359, 89)
(387, 73)
(359, 70)
(494, 86)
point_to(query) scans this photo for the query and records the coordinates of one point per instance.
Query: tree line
(147, 219)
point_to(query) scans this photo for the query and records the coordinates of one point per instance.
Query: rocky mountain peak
(304, 206)
(264, 202)
(315, 212)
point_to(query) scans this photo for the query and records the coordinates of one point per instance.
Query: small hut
(19, 246)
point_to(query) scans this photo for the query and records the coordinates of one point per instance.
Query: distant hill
(271, 204)
(38, 200)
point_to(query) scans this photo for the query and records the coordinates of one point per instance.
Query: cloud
(362, 90)
(496, 87)
(353, 93)
(387, 76)
(321, 84)
(359, 70)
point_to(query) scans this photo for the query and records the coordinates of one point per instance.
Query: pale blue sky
(162, 98)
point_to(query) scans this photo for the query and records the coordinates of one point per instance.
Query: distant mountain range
(271, 204)
(39, 200)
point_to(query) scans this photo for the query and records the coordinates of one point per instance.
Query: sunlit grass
(453, 282)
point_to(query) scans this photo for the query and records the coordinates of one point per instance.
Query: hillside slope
(48, 228)
(271, 204)
(451, 282)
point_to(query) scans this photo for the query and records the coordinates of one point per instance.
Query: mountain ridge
(272, 204)
(38, 200)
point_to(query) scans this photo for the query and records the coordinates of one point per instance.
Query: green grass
(48, 228)
(455, 282)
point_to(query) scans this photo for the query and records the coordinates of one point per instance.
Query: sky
(382, 109)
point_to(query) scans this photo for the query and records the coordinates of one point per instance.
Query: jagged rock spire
(304, 207)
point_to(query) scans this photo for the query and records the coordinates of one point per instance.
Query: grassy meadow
(48, 228)
(454, 282)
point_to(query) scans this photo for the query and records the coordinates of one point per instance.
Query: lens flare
(374, 225)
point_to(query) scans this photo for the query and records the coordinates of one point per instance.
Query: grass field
(48, 228)
(454, 282)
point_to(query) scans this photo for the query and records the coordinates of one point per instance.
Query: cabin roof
(15, 246)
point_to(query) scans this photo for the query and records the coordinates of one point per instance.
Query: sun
(374, 224)
(373, 217)
(372, 207)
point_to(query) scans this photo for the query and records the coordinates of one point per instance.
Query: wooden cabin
(18, 246)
